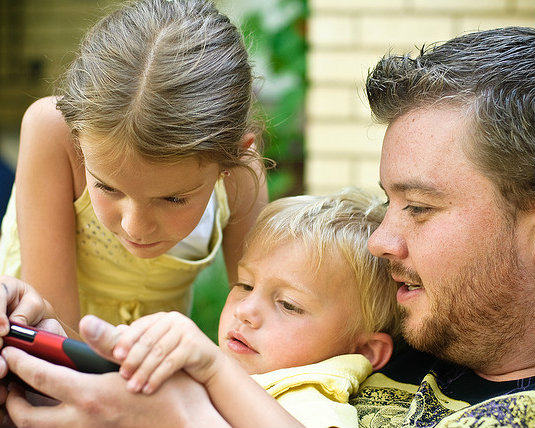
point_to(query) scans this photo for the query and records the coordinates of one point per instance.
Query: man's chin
(428, 335)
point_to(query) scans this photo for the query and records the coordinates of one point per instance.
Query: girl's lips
(133, 244)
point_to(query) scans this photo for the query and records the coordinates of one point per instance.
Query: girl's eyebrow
(95, 176)
(167, 195)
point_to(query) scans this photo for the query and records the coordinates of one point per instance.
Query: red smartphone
(57, 349)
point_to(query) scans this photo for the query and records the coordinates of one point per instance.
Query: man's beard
(479, 312)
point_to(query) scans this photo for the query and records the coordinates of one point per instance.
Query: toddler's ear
(247, 140)
(378, 349)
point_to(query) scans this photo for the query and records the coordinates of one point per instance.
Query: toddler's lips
(237, 343)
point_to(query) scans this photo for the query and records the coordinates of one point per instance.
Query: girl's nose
(137, 222)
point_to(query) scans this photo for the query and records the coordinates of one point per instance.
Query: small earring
(225, 172)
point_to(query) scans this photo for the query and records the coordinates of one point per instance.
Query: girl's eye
(291, 307)
(415, 210)
(104, 187)
(178, 201)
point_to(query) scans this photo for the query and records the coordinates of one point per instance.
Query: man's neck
(507, 373)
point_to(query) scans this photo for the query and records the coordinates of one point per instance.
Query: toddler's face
(149, 207)
(281, 313)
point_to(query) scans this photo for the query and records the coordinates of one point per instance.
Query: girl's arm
(246, 200)
(48, 172)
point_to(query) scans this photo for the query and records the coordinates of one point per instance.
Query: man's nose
(387, 241)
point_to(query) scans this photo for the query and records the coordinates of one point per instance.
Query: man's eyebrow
(415, 186)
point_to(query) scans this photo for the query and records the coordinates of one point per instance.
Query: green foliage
(283, 46)
(209, 294)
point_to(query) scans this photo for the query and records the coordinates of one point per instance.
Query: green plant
(281, 46)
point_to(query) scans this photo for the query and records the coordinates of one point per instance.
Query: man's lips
(409, 284)
(407, 290)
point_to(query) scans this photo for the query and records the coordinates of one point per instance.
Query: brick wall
(346, 38)
(37, 41)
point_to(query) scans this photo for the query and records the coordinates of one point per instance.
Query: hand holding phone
(57, 349)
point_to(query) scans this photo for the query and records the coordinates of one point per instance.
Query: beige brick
(345, 67)
(328, 102)
(332, 66)
(347, 139)
(327, 176)
(356, 5)
(405, 31)
(460, 6)
(339, 31)
(525, 6)
(346, 102)
(360, 107)
(472, 24)
(367, 176)
(326, 172)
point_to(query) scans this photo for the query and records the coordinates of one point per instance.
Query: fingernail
(124, 373)
(133, 386)
(119, 353)
(93, 327)
(4, 329)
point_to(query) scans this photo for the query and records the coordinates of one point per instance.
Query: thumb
(99, 335)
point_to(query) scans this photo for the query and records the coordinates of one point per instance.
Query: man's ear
(247, 140)
(378, 349)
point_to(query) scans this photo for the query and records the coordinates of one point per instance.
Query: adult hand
(88, 400)
(22, 304)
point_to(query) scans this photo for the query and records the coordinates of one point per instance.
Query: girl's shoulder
(43, 112)
(43, 124)
(45, 133)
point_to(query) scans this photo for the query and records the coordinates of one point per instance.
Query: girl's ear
(247, 140)
(378, 349)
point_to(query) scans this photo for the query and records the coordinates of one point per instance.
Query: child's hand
(154, 347)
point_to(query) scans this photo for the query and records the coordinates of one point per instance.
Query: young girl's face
(150, 207)
(281, 313)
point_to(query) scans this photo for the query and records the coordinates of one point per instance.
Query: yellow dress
(317, 395)
(112, 283)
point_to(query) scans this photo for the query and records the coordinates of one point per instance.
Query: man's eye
(415, 210)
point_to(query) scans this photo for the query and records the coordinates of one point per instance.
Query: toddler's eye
(290, 307)
(244, 287)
